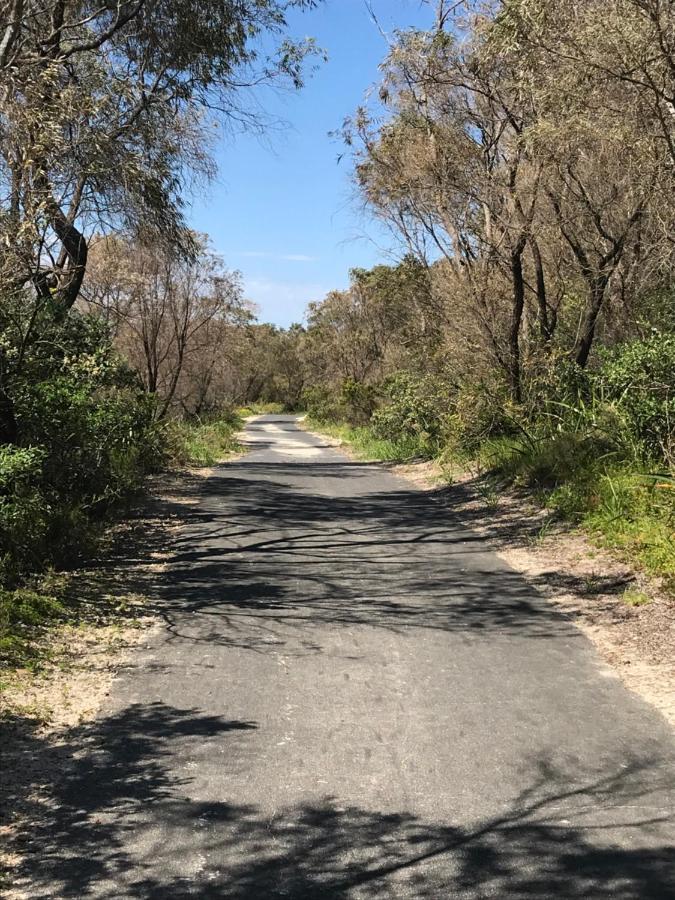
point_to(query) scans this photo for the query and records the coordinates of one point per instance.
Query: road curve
(351, 697)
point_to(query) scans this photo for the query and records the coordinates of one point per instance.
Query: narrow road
(351, 697)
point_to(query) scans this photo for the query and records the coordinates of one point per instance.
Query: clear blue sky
(282, 210)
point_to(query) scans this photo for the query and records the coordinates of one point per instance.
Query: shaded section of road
(350, 697)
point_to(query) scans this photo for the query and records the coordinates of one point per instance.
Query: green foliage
(636, 517)
(321, 404)
(553, 384)
(353, 402)
(358, 401)
(366, 443)
(22, 611)
(24, 511)
(415, 409)
(640, 378)
(479, 415)
(201, 443)
(634, 598)
(86, 435)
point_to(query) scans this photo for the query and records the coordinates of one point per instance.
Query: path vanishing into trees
(349, 696)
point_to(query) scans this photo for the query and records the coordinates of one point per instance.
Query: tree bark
(545, 324)
(9, 431)
(516, 320)
(598, 288)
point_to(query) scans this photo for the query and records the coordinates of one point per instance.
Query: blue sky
(282, 209)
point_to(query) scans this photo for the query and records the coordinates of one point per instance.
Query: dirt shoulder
(628, 616)
(111, 614)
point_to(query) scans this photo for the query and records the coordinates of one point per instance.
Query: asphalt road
(350, 697)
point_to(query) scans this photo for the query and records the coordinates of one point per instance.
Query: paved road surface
(352, 698)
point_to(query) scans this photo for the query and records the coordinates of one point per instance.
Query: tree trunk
(598, 288)
(516, 319)
(545, 325)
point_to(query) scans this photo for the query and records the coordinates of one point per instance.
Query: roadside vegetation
(126, 345)
(524, 155)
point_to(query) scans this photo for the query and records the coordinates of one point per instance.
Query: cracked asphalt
(350, 696)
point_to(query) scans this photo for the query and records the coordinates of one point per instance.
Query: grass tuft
(23, 612)
(366, 444)
(203, 443)
(631, 597)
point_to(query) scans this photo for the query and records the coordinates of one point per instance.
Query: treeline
(118, 326)
(524, 157)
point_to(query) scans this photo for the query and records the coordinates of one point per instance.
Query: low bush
(201, 443)
(479, 414)
(639, 377)
(352, 402)
(86, 436)
(415, 410)
(322, 404)
(24, 510)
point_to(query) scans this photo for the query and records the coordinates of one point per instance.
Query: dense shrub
(24, 511)
(358, 401)
(322, 404)
(416, 408)
(639, 378)
(353, 402)
(86, 435)
(480, 414)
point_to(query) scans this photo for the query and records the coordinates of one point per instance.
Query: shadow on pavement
(275, 546)
(270, 555)
(119, 783)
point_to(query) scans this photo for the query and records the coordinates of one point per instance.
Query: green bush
(479, 415)
(322, 404)
(98, 441)
(415, 409)
(639, 378)
(201, 443)
(553, 384)
(86, 435)
(352, 402)
(24, 511)
(357, 401)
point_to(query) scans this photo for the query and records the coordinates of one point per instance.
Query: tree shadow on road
(125, 820)
(273, 547)
(269, 558)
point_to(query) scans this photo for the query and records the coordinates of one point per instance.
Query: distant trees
(384, 317)
(107, 112)
(527, 153)
(171, 316)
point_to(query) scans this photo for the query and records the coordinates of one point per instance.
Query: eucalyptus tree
(107, 115)
(170, 315)
(451, 169)
(603, 78)
(105, 111)
(524, 144)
